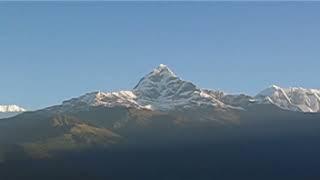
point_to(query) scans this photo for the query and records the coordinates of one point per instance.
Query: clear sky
(53, 51)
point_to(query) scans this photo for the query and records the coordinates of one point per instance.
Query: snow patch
(11, 108)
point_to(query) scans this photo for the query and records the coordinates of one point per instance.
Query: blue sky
(53, 51)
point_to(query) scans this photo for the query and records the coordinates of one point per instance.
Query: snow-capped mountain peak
(159, 76)
(293, 98)
(161, 82)
(164, 70)
(270, 90)
(160, 90)
(7, 111)
(11, 108)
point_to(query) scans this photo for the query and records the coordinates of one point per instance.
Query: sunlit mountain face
(166, 128)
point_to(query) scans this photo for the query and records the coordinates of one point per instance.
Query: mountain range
(162, 90)
(162, 111)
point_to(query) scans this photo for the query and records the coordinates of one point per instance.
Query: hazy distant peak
(270, 90)
(11, 108)
(293, 98)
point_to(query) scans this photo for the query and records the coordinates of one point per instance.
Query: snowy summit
(159, 90)
(7, 111)
(295, 99)
(11, 108)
